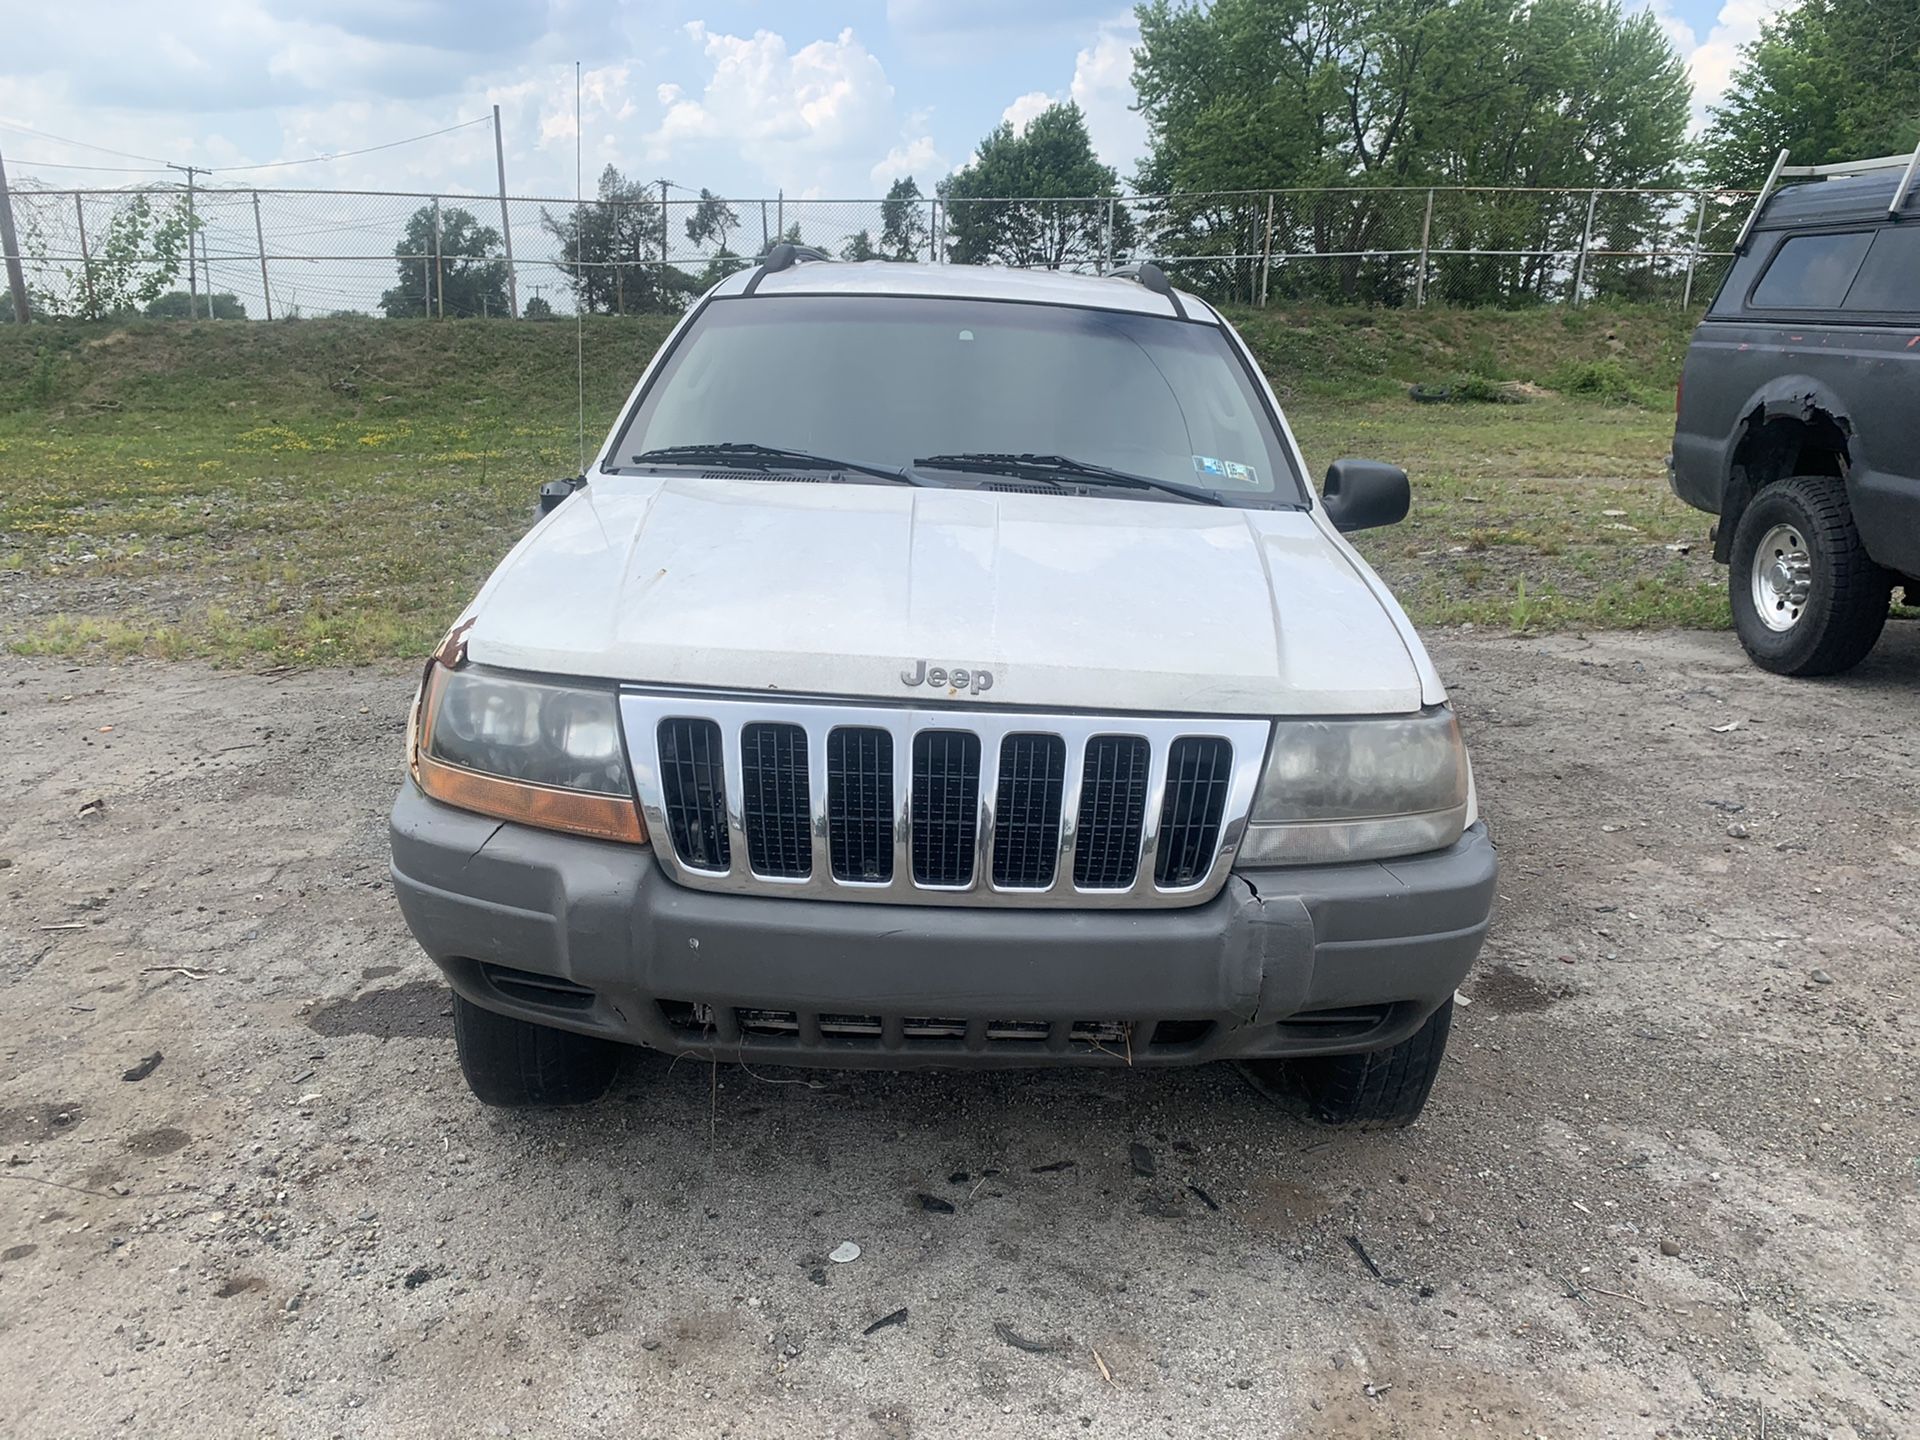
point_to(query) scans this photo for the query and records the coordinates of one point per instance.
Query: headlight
(546, 755)
(1359, 790)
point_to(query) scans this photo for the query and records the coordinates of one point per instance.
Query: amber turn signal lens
(603, 817)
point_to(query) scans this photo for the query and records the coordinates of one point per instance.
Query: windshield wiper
(745, 455)
(1052, 469)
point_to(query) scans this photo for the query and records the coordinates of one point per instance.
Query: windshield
(889, 380)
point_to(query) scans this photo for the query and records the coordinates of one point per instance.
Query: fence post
(1106, 253)
(1693, 255)
(439, 275)
(260, 239)
(666, 245)
(193, 230)
(86, 260)
(934, 235)
(1426, 235)
(1586, 239)
(16, 276)
(506, 224)
(1266, 253)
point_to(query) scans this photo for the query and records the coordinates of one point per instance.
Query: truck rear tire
(1376, 1089)
(1806, 598)
(513, 1063)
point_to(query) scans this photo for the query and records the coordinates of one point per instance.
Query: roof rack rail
(1150, 276)
(1782, 171)
(783, 256)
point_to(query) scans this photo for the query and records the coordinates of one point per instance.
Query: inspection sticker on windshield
(1225, 469)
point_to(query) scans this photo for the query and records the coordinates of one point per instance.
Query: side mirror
(554, 491)
(1360, 494)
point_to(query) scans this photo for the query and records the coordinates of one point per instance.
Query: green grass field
(333, 491)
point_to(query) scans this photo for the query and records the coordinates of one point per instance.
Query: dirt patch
(656, 1264)
(1512, 992)
(37, 1121)
(163, 1140)
(17, 1252)
(419, 1010)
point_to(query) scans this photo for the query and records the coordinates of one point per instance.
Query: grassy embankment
(334, 490)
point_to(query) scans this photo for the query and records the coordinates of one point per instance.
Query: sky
(747, 97)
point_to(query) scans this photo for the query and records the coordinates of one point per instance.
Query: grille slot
(860, 804)
(531, 989)
(1113, 807)
(696, 799)
(775, 805)
(1199, 770)
(1026, 817)
(946, 806)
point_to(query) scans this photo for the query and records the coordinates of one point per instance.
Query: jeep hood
(837, 589)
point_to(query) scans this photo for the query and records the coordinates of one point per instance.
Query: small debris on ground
(145, 1068)
(934, 1203)
(844, 1252)
(95, 806)
(898, 1317)
(1821, 977)
(1020, 1342)
(1205, 1199)
(1142, 1159)
(1669, 1247)
(1048, 1169)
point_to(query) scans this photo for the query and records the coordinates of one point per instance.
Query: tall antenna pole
(16, 277)
(579, 255)
(506, 221)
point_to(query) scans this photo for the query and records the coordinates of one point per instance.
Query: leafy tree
(859, 247)
(184, 305)
(131, 264)
(538, 308)
(712, 220)
(468, 278)
(903, 221)
(1829, 80)
(1272, 94)
(613, 251)
(721, 264)
(1036, 197)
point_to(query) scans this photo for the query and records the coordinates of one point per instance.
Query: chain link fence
(279, 254)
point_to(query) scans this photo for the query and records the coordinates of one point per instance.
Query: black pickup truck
(1798, 421)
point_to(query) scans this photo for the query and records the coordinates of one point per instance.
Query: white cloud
(1102, 86)
(1026, 107)
(916, 157)
(1712, 61)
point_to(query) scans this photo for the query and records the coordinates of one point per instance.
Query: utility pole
(16, 277)
(193, 229)
(86, 260)
(506, 222)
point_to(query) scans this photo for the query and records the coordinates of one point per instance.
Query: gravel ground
(1667, 1184)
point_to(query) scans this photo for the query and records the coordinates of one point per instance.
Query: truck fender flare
(1799, 398)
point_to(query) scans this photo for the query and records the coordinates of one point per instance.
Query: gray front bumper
(1303, 960)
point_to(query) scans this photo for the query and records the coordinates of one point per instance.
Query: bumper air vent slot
(550, 992)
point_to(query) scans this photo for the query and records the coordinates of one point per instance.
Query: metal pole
(206, 269)
(439, 273)
(765, 242)
(1586, 239)
(780, 213)
(1106, 256)
(260, 239)
(666, 248)
(193, 229)
(506, 221)
(1426, 235)
(16, 276)
(1266, 253)
(86, 261)
(1693, 255)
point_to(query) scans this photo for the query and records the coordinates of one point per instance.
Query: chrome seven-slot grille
(949, 806)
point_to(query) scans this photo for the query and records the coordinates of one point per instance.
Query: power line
(82, 144)
(70, 165)
(349, 154)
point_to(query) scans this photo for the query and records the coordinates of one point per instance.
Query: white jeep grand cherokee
(947, 666)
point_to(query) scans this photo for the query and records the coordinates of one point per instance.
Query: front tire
(1807, 600)
(1376, 1089)
(513, 1063)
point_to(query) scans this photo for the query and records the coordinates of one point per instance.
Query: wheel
(1806, 599)
(514, 1063)
(1376, 1089)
